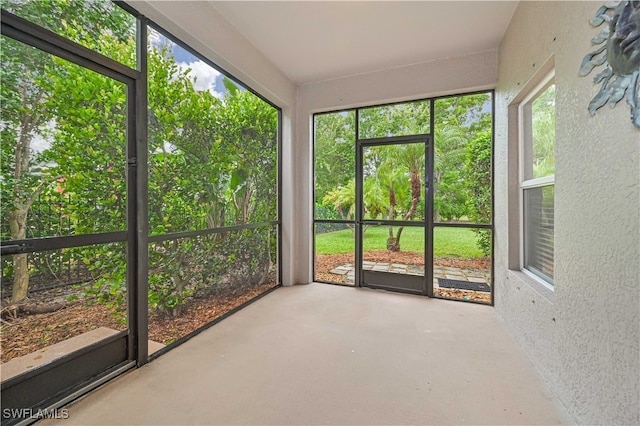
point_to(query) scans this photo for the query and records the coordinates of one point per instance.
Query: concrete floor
(322, 354)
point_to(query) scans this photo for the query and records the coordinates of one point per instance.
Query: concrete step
(50, 353)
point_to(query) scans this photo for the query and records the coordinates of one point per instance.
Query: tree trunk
(343, 217)
(393, 244)
(20, 289)
(246, 213)
(45, 308)
(436, 181)
(18, 231)
(177, 309)
(398, 235)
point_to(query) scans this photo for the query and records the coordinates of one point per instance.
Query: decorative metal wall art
(619, 52)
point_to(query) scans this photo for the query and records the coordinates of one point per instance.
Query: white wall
(467, 73)
(221, 43)
(584, 337)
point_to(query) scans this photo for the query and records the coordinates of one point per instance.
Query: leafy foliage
(335, 151)
(393, 187)
(212, 162)
(411, 118)
(457, 121)
(543, 125)
(478, 170)
(27, 118)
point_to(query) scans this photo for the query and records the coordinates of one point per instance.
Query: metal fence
(47, 217)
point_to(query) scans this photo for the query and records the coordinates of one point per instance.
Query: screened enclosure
(140, 196)
(403, 197)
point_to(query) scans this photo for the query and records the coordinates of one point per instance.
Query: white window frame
(524, 184)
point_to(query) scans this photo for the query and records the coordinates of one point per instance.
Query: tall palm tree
(408, 159)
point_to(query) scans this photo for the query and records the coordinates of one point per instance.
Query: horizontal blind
(538, 231)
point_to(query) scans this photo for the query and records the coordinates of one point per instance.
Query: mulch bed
(166, 329)
(476, 296)
(28, 333)
(327, 262)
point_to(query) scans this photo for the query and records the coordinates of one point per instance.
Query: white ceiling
(312, 41)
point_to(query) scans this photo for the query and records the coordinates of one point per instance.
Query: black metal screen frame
(137, 234)
(336, 221)
(429, 192)
(54, 381)
(385, 280)
(145, 239)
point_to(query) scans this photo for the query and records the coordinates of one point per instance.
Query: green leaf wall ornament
(617, 57)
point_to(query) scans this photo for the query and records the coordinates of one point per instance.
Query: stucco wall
(584, 337)
(477, 71)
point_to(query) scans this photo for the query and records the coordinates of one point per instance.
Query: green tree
(450, 153)
(24, 175)
(406, 162)
(249, 128)
(335, 150)
(410, 118)
(544, 133)
(183, 141)
(25, 114)
(478, 184)
(212, 162)
(343, 198)
(394, 171)
(457, 121)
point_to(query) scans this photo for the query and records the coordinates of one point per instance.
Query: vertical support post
(141, 200)
(279, 189)
(359, 204)
(313, 197)
(132, 242)
(493, 233)
(429, 193)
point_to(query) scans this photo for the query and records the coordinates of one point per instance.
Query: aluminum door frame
(387, 282)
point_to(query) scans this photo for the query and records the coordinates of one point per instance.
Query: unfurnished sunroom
(170, 166)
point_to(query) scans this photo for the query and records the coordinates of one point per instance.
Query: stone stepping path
(471, 275)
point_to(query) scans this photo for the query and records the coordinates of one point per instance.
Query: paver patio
(461, 274)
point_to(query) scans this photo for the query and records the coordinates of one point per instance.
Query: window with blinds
(537, 179)
(538, 231)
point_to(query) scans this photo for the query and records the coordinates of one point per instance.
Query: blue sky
(206, 77)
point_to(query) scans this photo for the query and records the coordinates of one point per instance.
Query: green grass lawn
(448, 242)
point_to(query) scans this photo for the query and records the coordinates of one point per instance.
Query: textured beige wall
(584, 337)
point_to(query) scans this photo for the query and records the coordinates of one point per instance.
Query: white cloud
(157, 40)
(203, 76)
